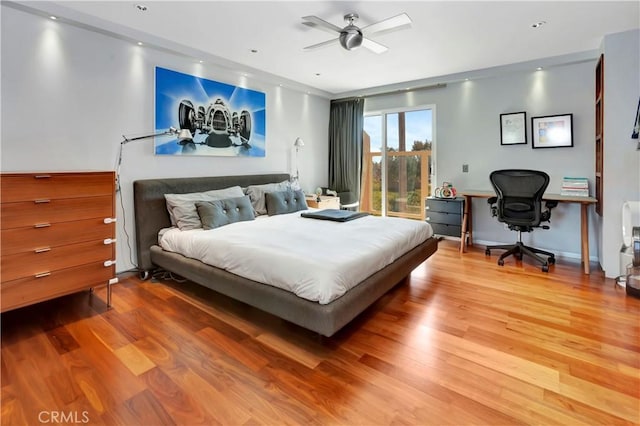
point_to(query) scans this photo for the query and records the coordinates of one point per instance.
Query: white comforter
(318, 260)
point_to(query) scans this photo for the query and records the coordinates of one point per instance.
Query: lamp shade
(299, 143)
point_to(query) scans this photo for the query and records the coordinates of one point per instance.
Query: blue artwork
(224, 120)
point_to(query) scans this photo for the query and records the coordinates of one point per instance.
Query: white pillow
(257, 197)
(182, 207)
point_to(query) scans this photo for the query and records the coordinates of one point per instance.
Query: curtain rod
(392, 92)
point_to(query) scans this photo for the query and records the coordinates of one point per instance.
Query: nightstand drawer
(452, 205)
(443, 229)
(444, 218)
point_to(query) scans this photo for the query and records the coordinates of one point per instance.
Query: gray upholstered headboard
(150, 208)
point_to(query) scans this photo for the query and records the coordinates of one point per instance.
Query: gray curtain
(346, 121)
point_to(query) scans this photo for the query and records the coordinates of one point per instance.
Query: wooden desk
(467, 222)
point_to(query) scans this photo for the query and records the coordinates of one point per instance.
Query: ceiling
(446, 37)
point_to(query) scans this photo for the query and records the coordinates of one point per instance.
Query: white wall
(621, 158)
(468, 132)
(69, 94)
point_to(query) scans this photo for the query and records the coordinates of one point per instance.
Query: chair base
(519, 250)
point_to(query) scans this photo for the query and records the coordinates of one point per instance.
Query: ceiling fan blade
(323, 44)
(321, 24)
(394, 23)
(374, 46)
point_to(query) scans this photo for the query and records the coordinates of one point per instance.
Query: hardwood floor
(463, 341)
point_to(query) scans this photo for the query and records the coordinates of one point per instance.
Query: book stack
(575, 187)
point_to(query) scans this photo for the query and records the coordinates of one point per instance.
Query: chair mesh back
(519, 195)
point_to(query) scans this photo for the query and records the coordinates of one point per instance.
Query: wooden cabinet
(445, 215)
(326, 202)
(57, 233)
(599, 139)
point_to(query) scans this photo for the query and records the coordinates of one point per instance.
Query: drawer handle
(42, 176)
(43, 201)
(107, 241)
(43, 250)
(109, 220)
(108, 263)
(42, 225)
(428, 208)
(43, 274)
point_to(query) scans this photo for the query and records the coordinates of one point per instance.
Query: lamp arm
(170, 131)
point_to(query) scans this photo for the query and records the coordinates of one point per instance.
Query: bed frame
(151, 215)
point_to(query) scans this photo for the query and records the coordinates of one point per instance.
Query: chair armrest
(492, 200)
(550, 204)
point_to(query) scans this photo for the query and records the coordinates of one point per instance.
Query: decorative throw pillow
(214, 214)
(182, 207)
(281, 202)
(256, 194)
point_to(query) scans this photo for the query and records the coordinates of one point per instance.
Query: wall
(69, 94)
(621, 158)
(468, 132)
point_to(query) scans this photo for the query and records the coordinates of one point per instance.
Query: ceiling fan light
(351, 38)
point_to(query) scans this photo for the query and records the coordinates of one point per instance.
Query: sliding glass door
(397, 162)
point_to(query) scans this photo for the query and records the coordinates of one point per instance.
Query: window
(397, 162)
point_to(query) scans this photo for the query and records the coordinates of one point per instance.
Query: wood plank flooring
(462, 342)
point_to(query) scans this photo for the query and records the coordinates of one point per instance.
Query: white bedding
(318, 260)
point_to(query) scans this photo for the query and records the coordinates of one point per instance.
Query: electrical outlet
(465, 168)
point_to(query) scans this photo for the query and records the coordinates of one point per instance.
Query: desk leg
(466, 224)
(584, 231)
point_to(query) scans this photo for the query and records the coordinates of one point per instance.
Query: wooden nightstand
(326, 202)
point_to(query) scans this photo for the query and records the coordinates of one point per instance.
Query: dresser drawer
(47, 259)
(29, 213)
(25, 239)
(454, 205)
(443, 229)
(24, 291)
(446, 218)
(38, 186)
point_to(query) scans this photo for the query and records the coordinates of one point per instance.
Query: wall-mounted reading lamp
(183, 136)
(299, 143)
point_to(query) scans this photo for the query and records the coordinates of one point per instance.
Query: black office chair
(519, 205)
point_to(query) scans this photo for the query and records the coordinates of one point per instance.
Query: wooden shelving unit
(599, 104)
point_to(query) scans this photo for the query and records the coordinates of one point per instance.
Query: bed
(151, 216)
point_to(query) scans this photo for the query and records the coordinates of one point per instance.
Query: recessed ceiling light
(201, 61)
(254, 50)
(538, 24)
(318, 74)
(140, 43)
(539, 69)
(53, 17)
(141, 7)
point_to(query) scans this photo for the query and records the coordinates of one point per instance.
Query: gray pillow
(281, 202)
(214, 214)
(256, 194)
(182, 207)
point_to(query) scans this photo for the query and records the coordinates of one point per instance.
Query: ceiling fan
(351, 37)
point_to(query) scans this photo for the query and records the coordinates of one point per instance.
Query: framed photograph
(513, 128)
(552, 131)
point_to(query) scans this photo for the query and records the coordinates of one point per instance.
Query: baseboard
(559, 254)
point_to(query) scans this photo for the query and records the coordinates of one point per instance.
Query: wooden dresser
(57, 235)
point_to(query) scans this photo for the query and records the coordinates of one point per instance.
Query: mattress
(317, 260)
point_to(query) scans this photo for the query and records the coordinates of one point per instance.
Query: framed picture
(513, 128)
(552, 131)
(224, 120)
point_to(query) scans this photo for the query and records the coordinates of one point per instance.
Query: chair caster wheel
(552, 260)
(487, 252)
(545, 268)
(501, 262)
